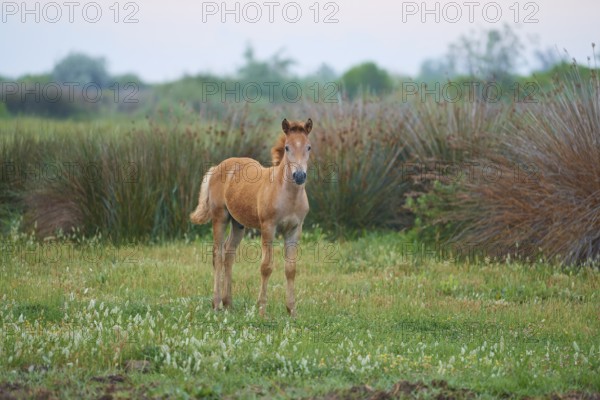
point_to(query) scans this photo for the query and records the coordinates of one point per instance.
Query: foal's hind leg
(219, 226)
(233, 241)
(266, 265)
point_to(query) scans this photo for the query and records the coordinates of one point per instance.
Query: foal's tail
(202, 213)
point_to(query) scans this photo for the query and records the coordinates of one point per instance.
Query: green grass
(368, 313)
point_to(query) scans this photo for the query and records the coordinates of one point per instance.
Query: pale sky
(170, 39)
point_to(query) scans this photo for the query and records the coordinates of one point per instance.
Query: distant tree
(81, 68)
(366, 78)
(494, 54)
(276, 69)
(42, 79)
(128, 78)
(323, 74)
(548, 58)
(436, 70)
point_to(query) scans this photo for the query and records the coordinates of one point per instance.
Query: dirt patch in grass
(100, 387)
(403, 389)
(437, 389)
(111, 387)
(17, 391)
(109, 379)
(575, 395)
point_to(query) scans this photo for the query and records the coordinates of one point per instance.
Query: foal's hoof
(291, 312)
(262, 312)
(228, 306)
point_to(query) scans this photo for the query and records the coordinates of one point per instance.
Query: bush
(355, 172)
(81, 68)
(446, 141)
(366, 78)
(135, 185)
(547, 200)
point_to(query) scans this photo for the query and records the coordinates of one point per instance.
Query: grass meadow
(376, 316)
(451, 251)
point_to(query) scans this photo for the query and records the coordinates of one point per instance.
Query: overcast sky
(165, 40)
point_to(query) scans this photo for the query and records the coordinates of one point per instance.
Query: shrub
(547, 200)
(135, 185)
(357, 162)
(445, 142)
(366, 78)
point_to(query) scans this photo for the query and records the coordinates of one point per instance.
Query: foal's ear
(308, 126)
(285, 125)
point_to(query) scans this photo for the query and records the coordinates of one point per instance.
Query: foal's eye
(287, 148)
(309, 147)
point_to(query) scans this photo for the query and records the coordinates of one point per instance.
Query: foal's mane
(278, 151)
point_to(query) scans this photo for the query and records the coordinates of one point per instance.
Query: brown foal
(243, 192)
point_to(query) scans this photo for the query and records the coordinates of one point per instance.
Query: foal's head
(297, 148)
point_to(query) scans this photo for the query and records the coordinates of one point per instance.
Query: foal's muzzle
(299, 177)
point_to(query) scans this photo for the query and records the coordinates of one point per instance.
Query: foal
(272, 199)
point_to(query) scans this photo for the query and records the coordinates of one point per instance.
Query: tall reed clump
(544, 199)
(135, 185)
(445, 141)
(11, 186)
(355, 174)
(142, 181)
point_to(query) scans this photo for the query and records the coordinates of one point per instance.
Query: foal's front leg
(292, 240)
(266, 265)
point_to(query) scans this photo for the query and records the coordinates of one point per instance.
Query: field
(377, 317)
(451, 251)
